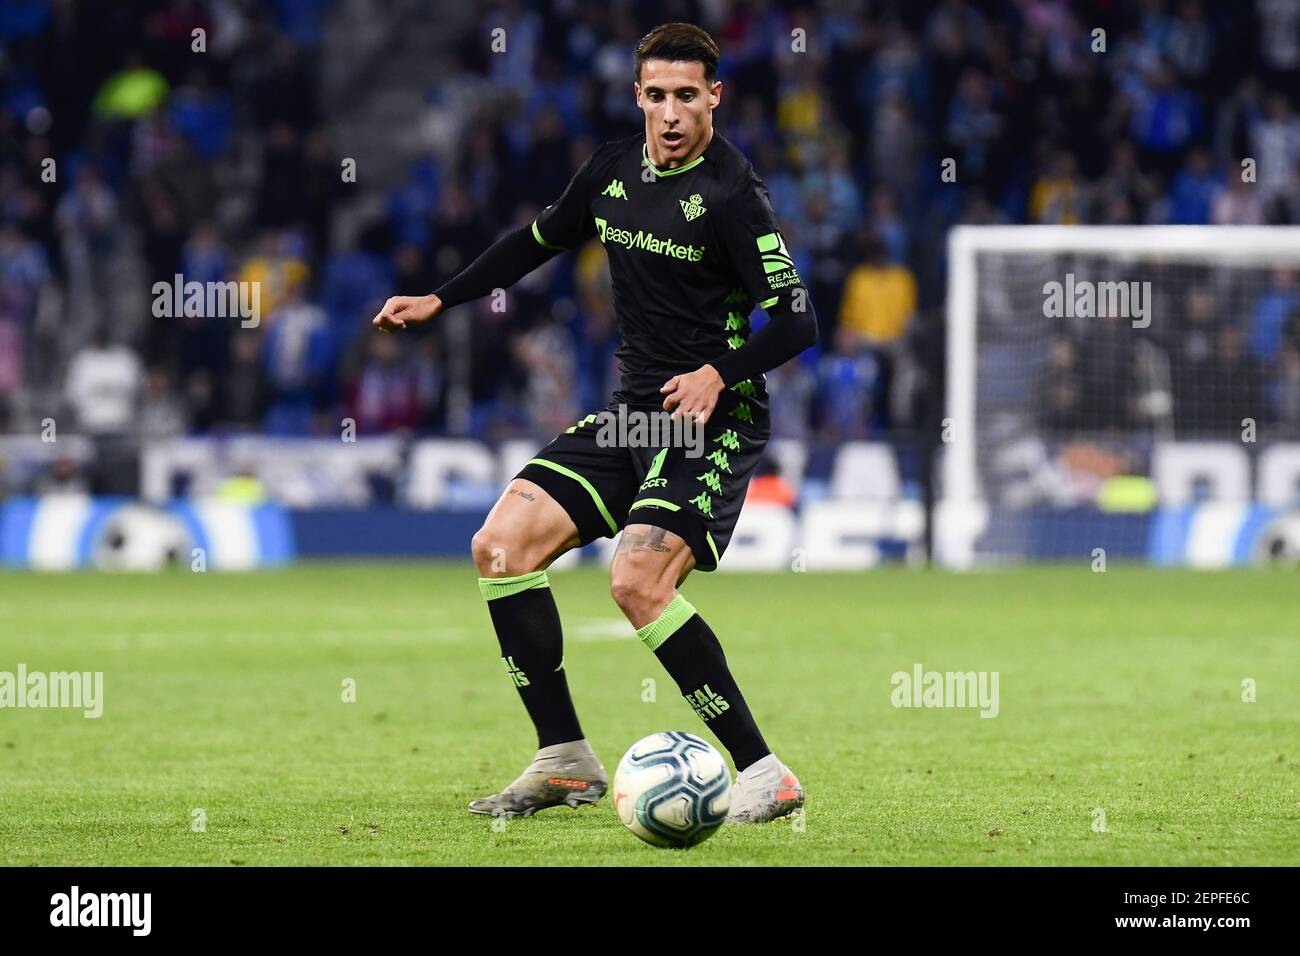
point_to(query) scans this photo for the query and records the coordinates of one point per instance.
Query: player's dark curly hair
(679, 42)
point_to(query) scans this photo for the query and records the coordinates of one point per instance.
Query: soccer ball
(672, 789)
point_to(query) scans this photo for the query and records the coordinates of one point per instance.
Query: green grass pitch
(223, 694)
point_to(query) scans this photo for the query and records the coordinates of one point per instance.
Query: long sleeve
(501, 265)
(562, 225)
(757, 249)
(787, 333)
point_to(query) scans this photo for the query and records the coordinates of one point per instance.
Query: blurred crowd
(226, 166)
(1222, 350)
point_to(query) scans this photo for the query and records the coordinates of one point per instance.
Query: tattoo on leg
(526, 495)
(657, 540)
(642, 541)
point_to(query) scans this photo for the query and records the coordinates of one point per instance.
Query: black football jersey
(691, 251)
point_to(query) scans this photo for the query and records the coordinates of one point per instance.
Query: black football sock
(527, 623)
(690, 652)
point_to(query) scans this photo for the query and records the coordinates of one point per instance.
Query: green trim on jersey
(645, 158)
(677, 613)
(538, 236)
(595, 495)
(494, 588)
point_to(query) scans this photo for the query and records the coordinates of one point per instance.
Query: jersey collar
(645, 160)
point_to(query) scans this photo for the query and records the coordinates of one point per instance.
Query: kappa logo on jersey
(615, 189)
(777, 263)
(586, 421)
(691, 208)
(647, 241)
(711, 480)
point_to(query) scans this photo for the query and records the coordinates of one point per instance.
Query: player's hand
(694, 394)
(403, 309)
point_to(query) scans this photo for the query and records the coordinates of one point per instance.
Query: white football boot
(765, 791)
(560, 775)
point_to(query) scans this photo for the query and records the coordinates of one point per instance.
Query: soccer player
(693, 246)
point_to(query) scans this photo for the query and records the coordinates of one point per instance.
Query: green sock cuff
(677, 613)
(494, 588)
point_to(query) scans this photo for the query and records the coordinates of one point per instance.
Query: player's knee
(640, 592)
(500, 551)
(491, 550)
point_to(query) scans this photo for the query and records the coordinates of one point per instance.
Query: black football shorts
(607, 477)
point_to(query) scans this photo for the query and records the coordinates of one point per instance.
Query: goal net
(1121, 393)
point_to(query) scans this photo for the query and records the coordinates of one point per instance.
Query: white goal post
(987, 264)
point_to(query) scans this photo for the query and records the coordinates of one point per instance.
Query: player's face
(678, 103)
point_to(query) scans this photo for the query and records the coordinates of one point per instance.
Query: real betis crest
(692, 208)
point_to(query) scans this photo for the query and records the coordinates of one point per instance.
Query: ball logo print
(672, 789)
